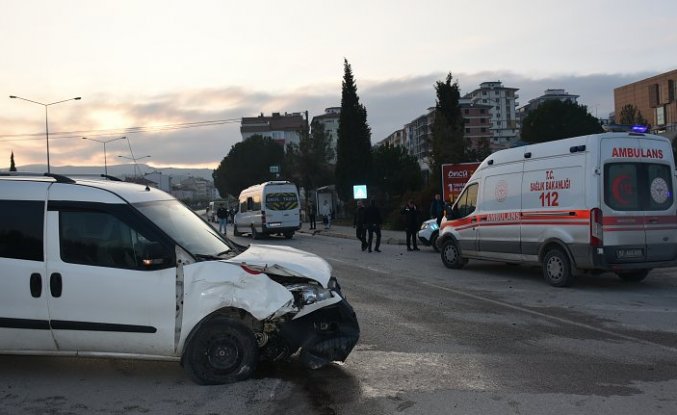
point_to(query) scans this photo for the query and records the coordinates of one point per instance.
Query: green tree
(12, 166)
(631, 115)
(448, 141)
(482, 151)
(557, 119)
(247, 163)
(308, 162)
(395, 170)
(353, 146)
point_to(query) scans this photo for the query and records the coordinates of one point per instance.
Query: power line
(117, 131)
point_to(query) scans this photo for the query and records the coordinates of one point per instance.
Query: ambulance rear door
(639, 221)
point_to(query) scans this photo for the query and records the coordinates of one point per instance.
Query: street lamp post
(104, 142)
(135, 159)
(46, 118)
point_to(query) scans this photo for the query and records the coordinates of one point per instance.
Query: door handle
(36, 285)
(55, 284)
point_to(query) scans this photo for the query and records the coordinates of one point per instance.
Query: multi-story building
(397, 138)
(503, 100)
(418, 138)
(655, 98)
(330, 121)
(477, 119)
(282, 128)
(548, 95)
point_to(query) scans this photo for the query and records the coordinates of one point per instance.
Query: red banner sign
(454, 177)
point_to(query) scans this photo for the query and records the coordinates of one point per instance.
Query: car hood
(285, 261)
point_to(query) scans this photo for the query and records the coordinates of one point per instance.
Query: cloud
(390, 104)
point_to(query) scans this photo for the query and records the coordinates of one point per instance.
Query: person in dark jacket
(411, 214)
(372, 219)
(437, 208)
(358, 224)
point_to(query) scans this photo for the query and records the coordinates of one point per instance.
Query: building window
(466, 111)
(467, 130)
(483, 129)
(483, 111)
(483, 120)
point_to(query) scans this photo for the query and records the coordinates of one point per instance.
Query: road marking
(551, 317)
(372, 269)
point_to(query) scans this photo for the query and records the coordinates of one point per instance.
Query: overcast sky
(161, 65)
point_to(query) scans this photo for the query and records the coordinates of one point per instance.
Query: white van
(268, 208)
(601, 202)
(112, 269)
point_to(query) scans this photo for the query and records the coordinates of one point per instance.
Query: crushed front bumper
(326, 335)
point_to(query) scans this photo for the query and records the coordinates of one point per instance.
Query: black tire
(451, 255)
(288, 235)
(235, 231)
(222, 351)
(633, 276)
(255, 234)
(557, 268)
(433, 241)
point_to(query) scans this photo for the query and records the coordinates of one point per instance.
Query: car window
(101, 239)
(467, 201)
(281, 201)
(21, 229)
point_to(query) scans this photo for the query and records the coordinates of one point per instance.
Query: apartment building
(330, 121)
(477, 118)
(503, 101)
(282, 128)
(655, 98)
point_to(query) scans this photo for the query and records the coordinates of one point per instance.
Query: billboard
(454, 177)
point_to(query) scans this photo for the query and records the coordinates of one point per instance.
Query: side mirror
(153, 255)
(451, 212)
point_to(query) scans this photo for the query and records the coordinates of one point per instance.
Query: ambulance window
(468, 201)
(620, 190)
(660, 187)
(638, 186)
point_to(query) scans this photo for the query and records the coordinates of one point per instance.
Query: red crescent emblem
(619, 186)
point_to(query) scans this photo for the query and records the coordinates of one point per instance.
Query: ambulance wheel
(633, 276)
(451, 256)
(235, 231)
(557, 268)
(221, 351)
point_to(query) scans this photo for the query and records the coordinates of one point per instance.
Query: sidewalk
(388, 237)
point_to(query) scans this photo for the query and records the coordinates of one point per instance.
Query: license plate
(629, 253)
(274, 224)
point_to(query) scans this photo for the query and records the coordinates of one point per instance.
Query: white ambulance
(602, 202)
(268, 208)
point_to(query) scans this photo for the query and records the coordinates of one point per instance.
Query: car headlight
(309, 294)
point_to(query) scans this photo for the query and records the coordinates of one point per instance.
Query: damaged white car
(109, 269)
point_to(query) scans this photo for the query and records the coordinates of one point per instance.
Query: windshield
(185, 227)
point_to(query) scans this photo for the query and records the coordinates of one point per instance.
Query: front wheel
(451, 256)
(221, 351)
(633, 276)
(288, 235)
(433, 241)
(557, 268)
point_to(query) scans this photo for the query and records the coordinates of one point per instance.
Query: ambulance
(596, 203)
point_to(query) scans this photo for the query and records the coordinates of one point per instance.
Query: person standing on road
(437, 209)
(410, 212)
(325, 211)
(222, 214)
(311, 215)
(358, 224)
(372, 218)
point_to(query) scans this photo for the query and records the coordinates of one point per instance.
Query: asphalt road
(488, 339)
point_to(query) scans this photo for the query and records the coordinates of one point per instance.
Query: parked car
(112, 269)
(428, 233)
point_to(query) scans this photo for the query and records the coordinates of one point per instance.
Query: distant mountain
(118, 170)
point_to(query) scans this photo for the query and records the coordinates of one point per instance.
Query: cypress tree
(353, 146)
(448, 134)
(12, 166)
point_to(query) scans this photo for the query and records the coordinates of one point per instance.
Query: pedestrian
(372, 219)
(437, 209)
(222, 214)
(311, 215)
(325, 211)
(358, 224)
(410, 212)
